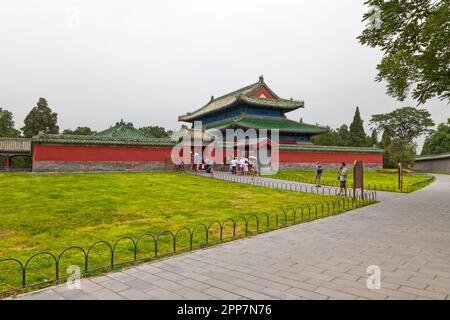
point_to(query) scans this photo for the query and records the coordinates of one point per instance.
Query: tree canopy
(405, 123)
(81, 131)
(438, 141)
(156, 132)
(40, 118)
(414, 36)
(7, 124)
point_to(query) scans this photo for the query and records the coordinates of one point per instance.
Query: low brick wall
(98, 166)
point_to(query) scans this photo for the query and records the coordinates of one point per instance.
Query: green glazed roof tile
(270, 123)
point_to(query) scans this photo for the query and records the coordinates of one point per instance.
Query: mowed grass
(49, 212)
(385, 180)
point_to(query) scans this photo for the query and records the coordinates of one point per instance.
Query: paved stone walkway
(407, 236)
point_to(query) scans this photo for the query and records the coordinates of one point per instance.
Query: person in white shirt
(343, 179)
(233, 164)
(242, 165)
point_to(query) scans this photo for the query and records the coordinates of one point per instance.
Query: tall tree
(327, 139)
(405, 123)
(357, 136)
(399, 151)
(80, 131)
(343, 136)
(40, 118)
(156, 132)
(385, 140)
(438, 141)
(7, 124)
(414, 37)
(373, 140)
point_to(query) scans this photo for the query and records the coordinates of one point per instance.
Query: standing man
(319, 170)
(233, 165)
(343, 178)
(241, 166)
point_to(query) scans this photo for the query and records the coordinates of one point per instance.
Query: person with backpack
(319, 170)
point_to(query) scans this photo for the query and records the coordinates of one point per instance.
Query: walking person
(197, 162)
(343, 179)
(253, 161)
(241, 165)
(319, 170)
(246, 168)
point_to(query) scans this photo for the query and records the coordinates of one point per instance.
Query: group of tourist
(249, 166)
(244, 166)
(342, 177)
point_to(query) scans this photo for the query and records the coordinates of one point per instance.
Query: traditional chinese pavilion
(255, 107)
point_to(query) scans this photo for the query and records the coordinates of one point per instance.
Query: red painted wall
(264, 91)
(329, 157)
(145, 154)
(99, 153)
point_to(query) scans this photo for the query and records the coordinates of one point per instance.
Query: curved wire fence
(284, 184)
(388, 187)
(183, 240)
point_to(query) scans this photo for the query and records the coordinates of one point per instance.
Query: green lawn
(52, 211)
(385, 180)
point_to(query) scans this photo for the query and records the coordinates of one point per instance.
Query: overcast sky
(97, 61)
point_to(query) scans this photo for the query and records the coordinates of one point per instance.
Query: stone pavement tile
(142, 275)
(121, 276)
(438, 289)
(220, 284)
(341, 275)
(315, 275)
(401, 282)
(77, 294)
(106, 294)
(115, 285)
(336, 294)
(140, 284)
(279, 294)
(220, 294)
(48, 294)
(167, 284)
(149, 268)
(255, 286)
(135, 294)
(306, 294)
(422, 293)
(192, 294)
(162, 294)
(193, 284)
(367, 294)
(100, 279)
(397, 294)
(250, 294)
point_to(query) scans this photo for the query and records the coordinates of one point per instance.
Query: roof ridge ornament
(261, 78)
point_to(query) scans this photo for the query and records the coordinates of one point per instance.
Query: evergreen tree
(357, 136)
(385, 140)
(373, 141)
(40, 118)
(7, 124)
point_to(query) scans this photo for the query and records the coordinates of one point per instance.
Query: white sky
(150, 61)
